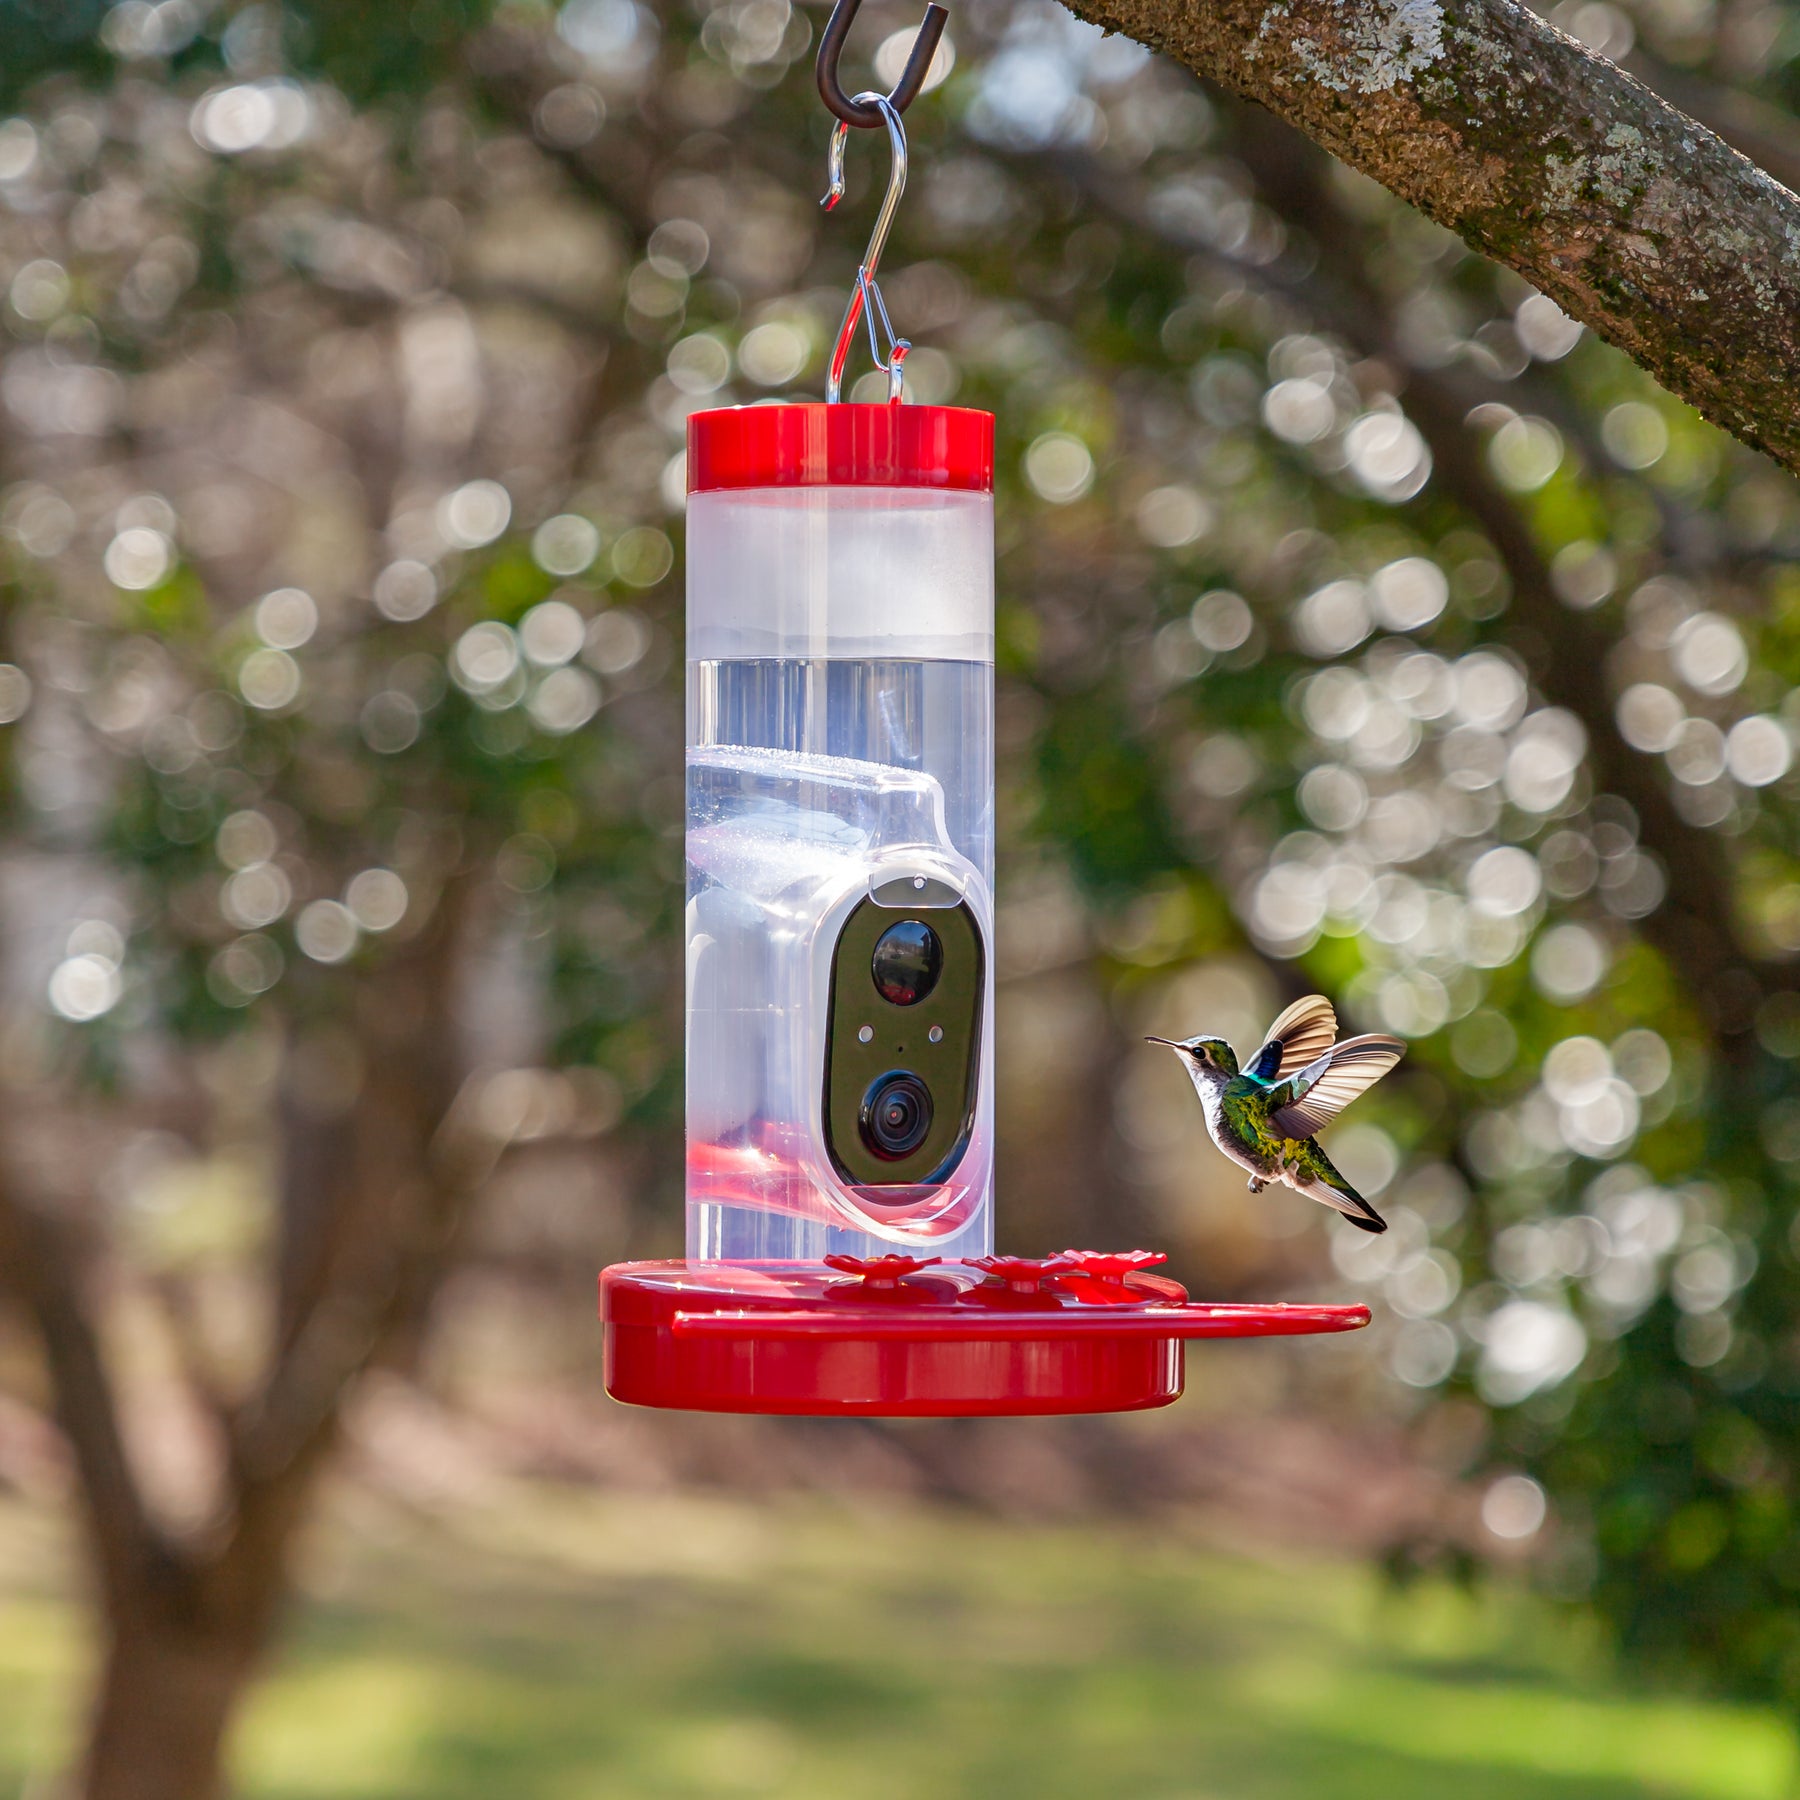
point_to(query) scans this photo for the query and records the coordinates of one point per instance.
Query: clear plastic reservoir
(840, 681)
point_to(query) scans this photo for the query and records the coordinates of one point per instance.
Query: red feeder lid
(846, 445)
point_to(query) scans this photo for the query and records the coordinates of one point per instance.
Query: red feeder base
(903, 1337)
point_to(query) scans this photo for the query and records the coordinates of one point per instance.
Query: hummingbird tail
(1349, 1202)
(1330, 1188)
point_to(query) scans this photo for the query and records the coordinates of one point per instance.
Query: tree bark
(167, 1695)
(1633, 217)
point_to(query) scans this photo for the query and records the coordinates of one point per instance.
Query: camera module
(907, 962)
(902, 1064)
(896, 1114)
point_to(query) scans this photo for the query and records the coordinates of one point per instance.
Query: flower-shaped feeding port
(880, 1274)
(1111, 1265)
(1106, 1276)
(1020, 1274)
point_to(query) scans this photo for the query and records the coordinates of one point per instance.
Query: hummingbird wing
(1303, 1106)
(1302, 1033)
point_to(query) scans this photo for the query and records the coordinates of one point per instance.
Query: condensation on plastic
(840, 708)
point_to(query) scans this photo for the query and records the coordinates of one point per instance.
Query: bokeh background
(1365, 626)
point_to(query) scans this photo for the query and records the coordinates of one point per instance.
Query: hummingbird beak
(1168, 1041)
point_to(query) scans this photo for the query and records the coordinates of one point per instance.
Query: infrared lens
(907, 962)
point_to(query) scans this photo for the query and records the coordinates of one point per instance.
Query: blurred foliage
(1364, 624)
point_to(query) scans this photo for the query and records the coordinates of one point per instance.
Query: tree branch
(1752, 126)
(381, 1209)
(38, 1269)
(1633, 217)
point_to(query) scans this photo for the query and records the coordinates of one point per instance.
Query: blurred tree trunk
(372, 1206)
(187, 1634)
(168, 1692)
(1633, 217)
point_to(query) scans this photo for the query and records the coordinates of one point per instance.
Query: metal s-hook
(865, 297)
(862, 111)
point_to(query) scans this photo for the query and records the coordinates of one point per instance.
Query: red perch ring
(933, 1339)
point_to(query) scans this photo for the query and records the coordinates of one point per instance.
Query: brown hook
(867, 117)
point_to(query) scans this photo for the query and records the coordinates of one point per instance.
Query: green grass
(566, 1647)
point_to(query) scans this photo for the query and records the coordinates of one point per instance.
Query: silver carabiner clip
(865, 301)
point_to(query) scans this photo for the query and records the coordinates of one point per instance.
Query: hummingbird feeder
(840, 924)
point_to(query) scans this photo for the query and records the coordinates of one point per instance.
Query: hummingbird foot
(1257, 1184)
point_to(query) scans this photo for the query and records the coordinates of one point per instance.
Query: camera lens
(907, 962)
(896, 1114)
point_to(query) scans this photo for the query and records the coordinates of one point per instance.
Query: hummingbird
(1264, 1116)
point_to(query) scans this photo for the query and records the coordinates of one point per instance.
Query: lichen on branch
(1374, 47)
